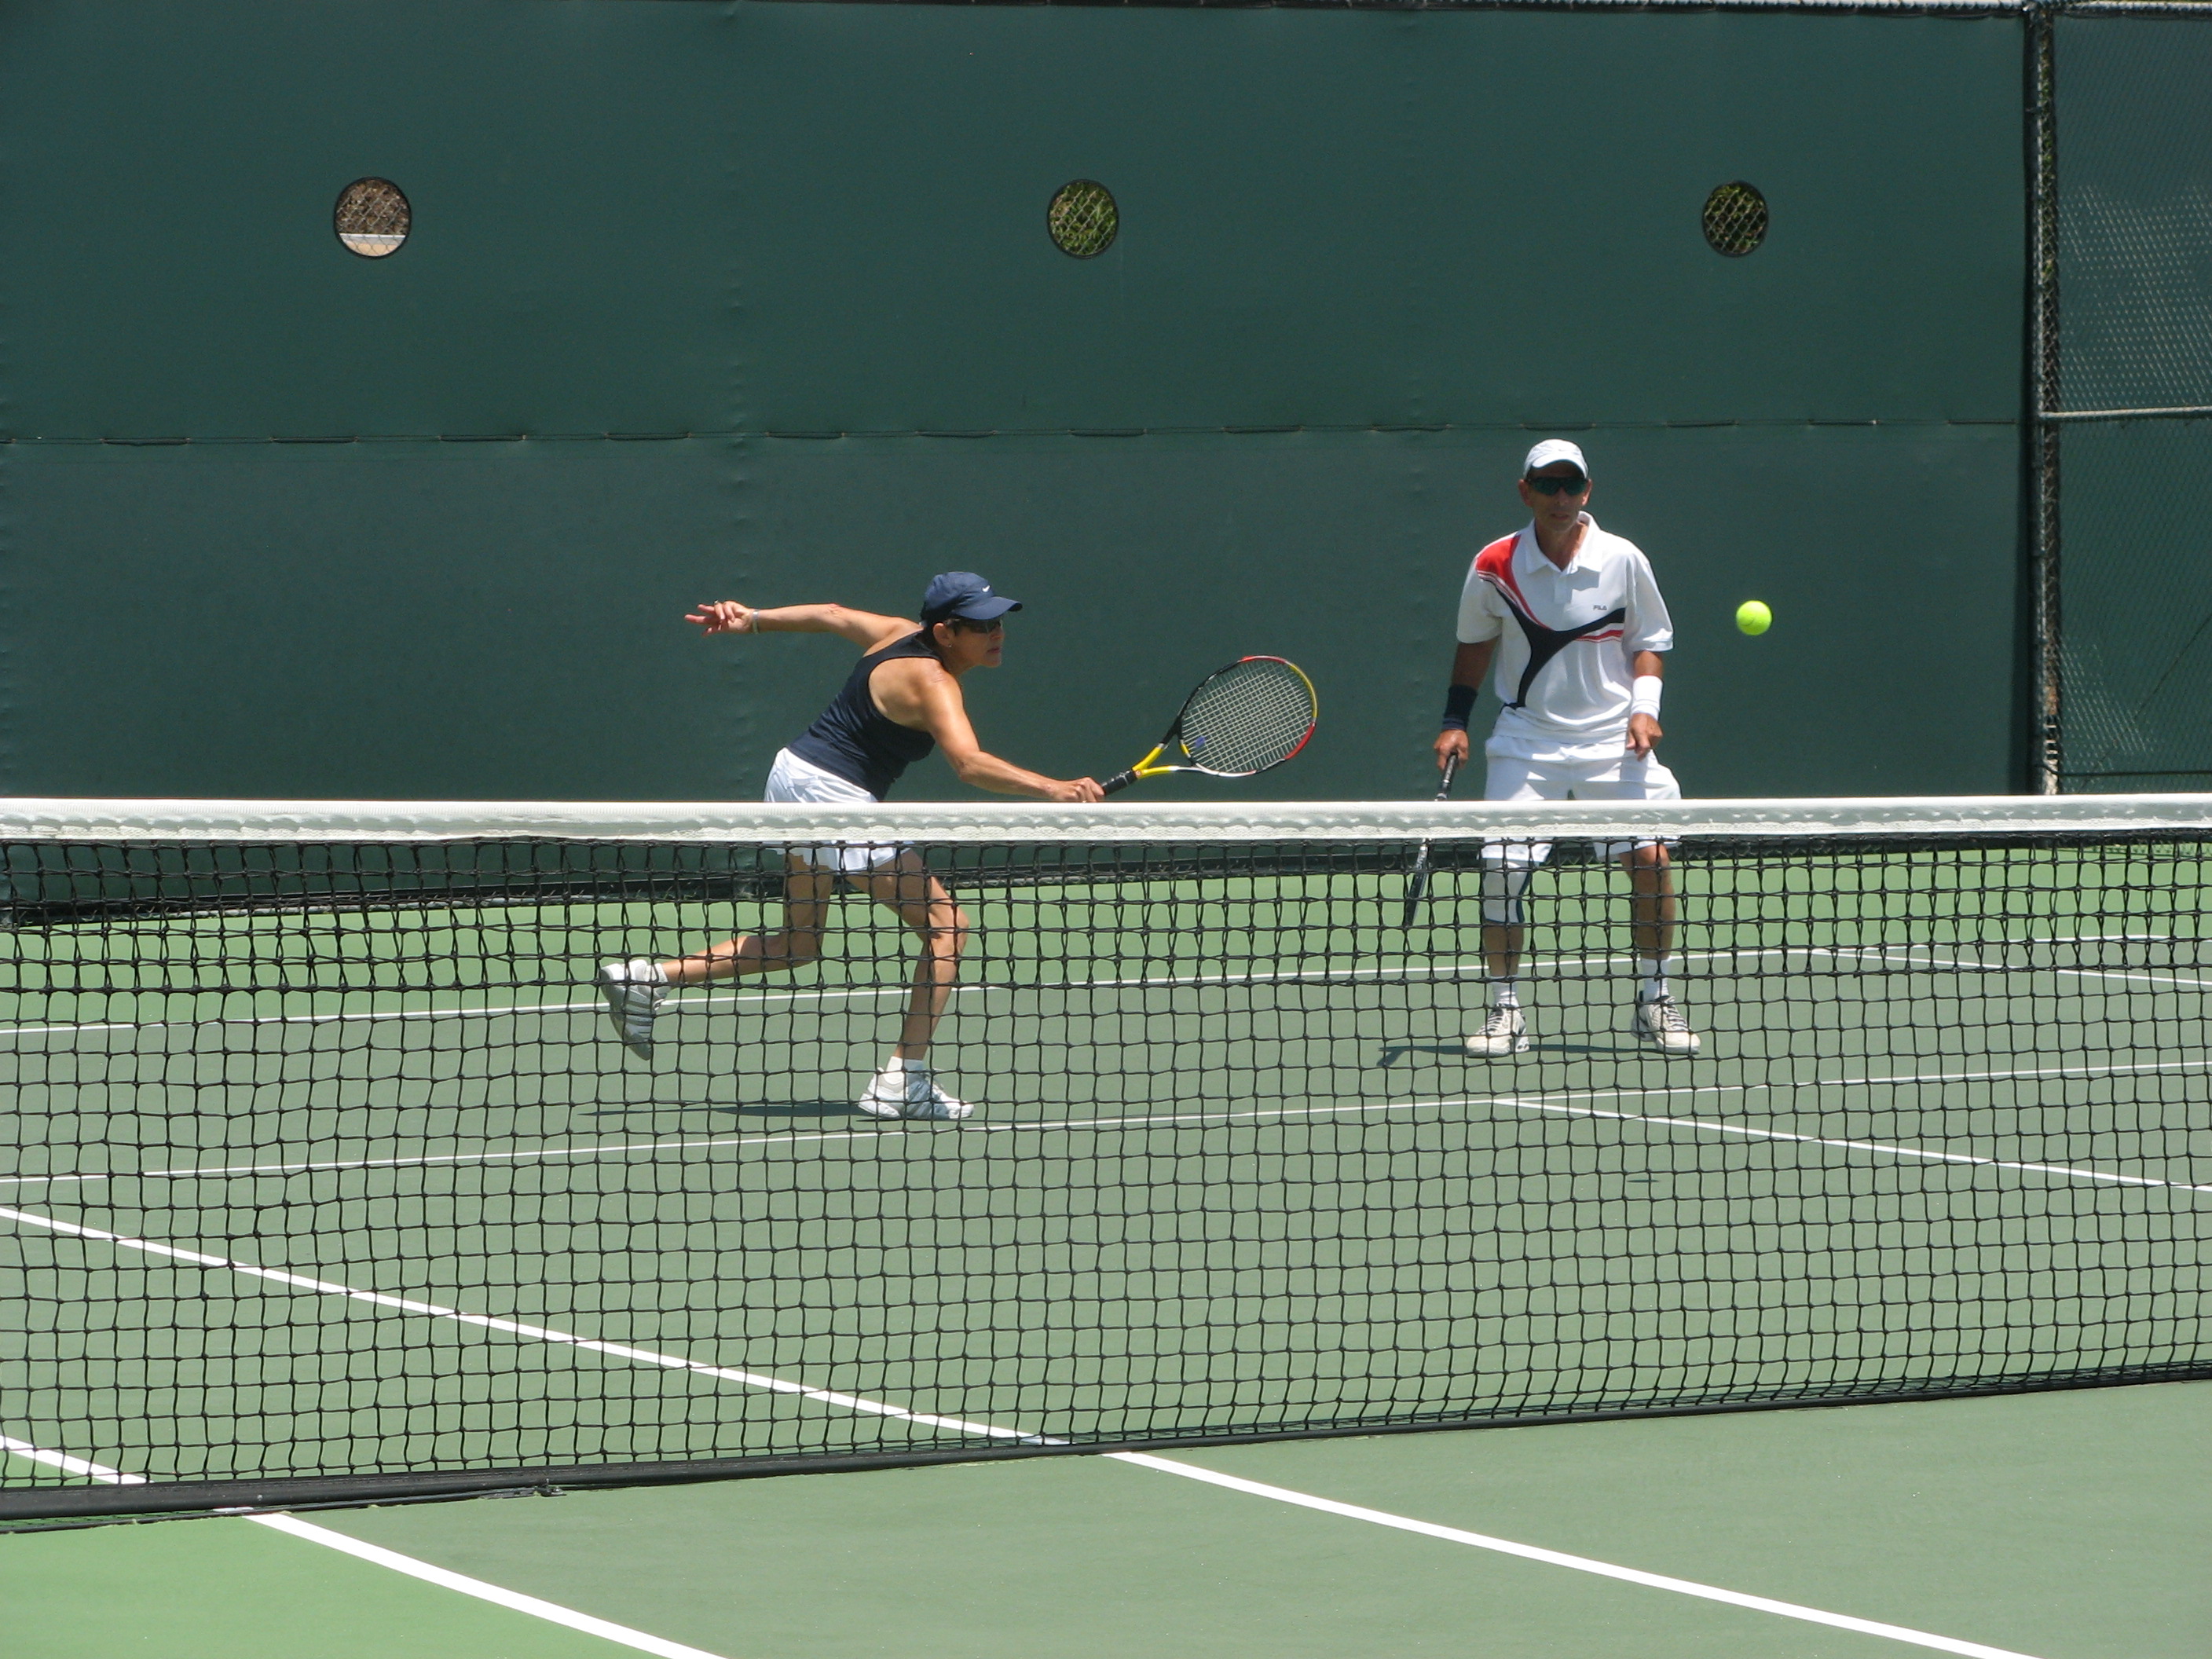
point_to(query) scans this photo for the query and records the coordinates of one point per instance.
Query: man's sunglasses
(1569, 486)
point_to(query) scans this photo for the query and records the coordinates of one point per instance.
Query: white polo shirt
(1579, 628)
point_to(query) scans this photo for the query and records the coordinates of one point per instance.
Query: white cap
(1554, 449)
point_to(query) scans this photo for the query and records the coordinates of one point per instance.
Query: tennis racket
(1242, 719)
(1416, 884)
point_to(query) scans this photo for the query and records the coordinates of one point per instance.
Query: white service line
(70, 1465)
(2069, 1171)
(1560, 1558)
(678, 1003)
(444, 1578)
(498, 1595)
(1169, 1120)
(1883, 953)
(516, 1327)
(1411, 970)
(558, 1615)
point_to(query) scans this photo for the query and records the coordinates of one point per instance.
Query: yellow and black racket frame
(1177, 742)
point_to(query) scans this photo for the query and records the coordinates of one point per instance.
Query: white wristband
(1644, 695)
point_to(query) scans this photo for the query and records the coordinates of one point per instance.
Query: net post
(2044, 399)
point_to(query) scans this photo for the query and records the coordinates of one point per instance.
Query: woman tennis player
(902, 700)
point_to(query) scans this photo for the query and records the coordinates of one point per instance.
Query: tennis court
(329, 1170)
(330, 1185)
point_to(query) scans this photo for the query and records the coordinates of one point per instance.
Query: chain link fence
(2123, 373)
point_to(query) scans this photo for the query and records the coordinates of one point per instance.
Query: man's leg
(1651, 915)
(635, 989)
(1505, 871)
(1651, 903)
(1502, 941)
(1651, 931)
(1506, 867)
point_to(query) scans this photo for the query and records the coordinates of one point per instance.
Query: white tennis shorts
(791, 779)
(1616, 777)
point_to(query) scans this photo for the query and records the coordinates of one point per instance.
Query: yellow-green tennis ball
(1754, 617)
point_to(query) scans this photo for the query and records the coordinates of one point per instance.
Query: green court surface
(332, 1191)
(2060, 1526)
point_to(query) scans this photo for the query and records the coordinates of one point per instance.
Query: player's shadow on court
(788, 1111)
(1537, 1050)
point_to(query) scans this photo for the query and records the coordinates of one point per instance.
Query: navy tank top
(852, 739)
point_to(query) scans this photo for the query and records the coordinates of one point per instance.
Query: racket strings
(1248, 717)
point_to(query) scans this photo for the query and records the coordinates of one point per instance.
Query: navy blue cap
(964, 594)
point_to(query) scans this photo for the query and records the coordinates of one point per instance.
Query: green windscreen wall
(756, 301)
(2135, 283)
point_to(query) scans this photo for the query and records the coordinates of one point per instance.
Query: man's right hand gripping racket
(1242, 719)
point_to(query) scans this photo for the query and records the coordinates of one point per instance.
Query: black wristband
(1459, 703)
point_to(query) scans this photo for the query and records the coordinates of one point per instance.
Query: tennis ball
(1754, 617)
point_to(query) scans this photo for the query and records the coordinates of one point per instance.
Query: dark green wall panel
(740, 219)
(667, 215)
(2138, 605)
(2135, 243)
(424, 620)
(505, 620)
(2135, 273)
(1376, 217)
(169, 267)
(1887, 555)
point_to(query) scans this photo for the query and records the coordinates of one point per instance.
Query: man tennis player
(902, 700)
(1582, 627)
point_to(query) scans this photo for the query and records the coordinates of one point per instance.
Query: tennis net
(324, 1175)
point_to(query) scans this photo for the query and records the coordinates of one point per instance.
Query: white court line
(444, 1578)
(1882, 952)
(1140, 1460)
(1559, 1559)
(2069, 1171)
(654, 1645)
(2087, 939)
(681, 1004)
(67, 1464)
(1170, 1120)
(1545, 969)
(509, 1327)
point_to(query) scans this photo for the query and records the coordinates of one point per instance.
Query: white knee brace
(1501, 895)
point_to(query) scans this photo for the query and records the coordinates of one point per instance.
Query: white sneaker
(1503, 1033)
(1660, 1024)
(884, 1096)
(910, 1093)
(635, 991)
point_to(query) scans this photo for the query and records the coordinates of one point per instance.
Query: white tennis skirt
(791, 779)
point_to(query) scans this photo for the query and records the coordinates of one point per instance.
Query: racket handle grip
(1118, 782)
(1416, 889)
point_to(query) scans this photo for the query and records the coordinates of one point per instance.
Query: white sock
(1653, 970)
(1505, 993)
(895, 1066)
